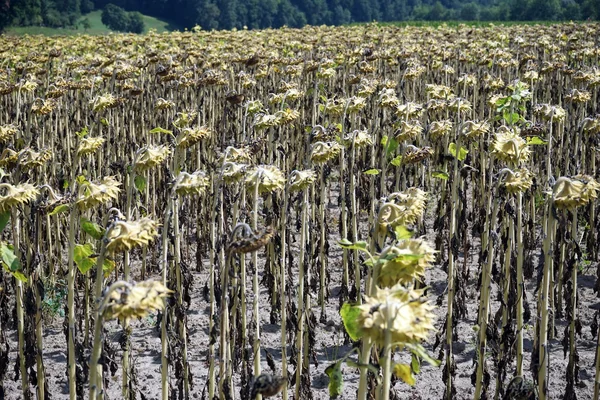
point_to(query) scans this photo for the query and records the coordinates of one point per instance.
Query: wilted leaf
(402, 232)
(81, 256)
(420, 351)
(396, 161)
(92, 229)
(140, 183)
(440, 175)
(404, 372)
(336, 379)
(462, 153)
(360, 245)
(108, 266)
(8, 257)
(534, 140)
(59, 209)
(4, 218)
(160, 130)
(390, 144)
(349, 314)
(415, 364)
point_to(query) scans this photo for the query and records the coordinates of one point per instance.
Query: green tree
(85, 24)
(136, 22)
(469, 12)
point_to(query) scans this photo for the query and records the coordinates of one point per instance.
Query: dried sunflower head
(7, 131)
(439, 129)
(509, 146)
(123, 236)
(324, 151)
(409, 110)
(103, 102)
(287, 116)
(43, 106)
(591, 125)
(475, 129)
(408, 130)
(191, 184)
(8, 158)
(244, 240)
(575, 191)
(92, 194)
(149, 157)
(438, 92)
(517, 181)
(135, 301)
(89, 145)
(184, 119)
(264, 121)
(15, 195)
(237, 155)
(550, 112)
(404, 262)
(162, 104)
(29, 158)
(233, 172)
(578, 96)
(402, 311)
(267, 385)
(354, 104)
(402, 208)
(360, 138)
(415, 155)
(190, 136)
(300, 180)
(268, 178)
(388, 98)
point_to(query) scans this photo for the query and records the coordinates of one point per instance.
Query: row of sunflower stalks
(393, 313)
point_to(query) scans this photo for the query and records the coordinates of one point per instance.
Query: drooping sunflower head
(439, 129)
(233, 172)
(300, 180)
(517, 181)
(404, 262)
(408, 130)
(509, 146)
(574, 192)
(550, 112)
(149, 157)
(324, 151)
(190, 136)
(191, 184)
(15, 195)
(244, 240)
(89, 145)
(7, 131)
(360, 138)
(135, 301)
(29, 159)
(475, 129)
(403, 311)
(415, 155)
(125, 235)
(268, 178)
(402, 208)
(92, 194)
(103, 102)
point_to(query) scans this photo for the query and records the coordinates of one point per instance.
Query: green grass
(477, 24)
(96, 27)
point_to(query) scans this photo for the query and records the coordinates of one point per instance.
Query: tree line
(227, 14)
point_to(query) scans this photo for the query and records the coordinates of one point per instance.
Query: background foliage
(227, 14)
